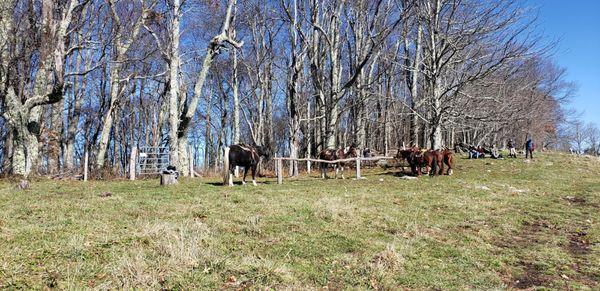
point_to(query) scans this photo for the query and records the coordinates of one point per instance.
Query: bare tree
(122, 39)
(22, 108)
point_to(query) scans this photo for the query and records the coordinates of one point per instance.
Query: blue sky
(577, 26)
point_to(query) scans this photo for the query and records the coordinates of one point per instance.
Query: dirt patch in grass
(578, 244)
(580, 201)
(579, 247)
(573, 199)
(527, 235)
(530, 234)
(531, 277)
(529, 274)
(584, 277)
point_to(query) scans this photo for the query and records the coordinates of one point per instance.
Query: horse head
(404, 154)
(263, 151)
(351, 152)
(340, 153)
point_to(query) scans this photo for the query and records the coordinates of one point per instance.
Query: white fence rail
(357, 160)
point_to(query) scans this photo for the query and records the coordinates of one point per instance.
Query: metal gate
(152, 160)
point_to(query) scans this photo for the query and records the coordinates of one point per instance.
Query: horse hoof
(254, 183)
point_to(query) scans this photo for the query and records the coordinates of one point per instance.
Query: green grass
(494, 224)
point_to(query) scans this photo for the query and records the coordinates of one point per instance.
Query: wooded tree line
(104, 76)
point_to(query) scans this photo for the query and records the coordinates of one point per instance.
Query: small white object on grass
(515, 190)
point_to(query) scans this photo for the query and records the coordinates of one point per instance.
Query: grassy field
(494, 224)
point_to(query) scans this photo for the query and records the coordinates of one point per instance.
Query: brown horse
(413, 157)
(448, 160)
(432, 160)
(332, 155)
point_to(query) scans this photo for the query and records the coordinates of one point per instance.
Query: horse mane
(247, 147)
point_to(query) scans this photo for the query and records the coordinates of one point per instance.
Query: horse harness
(252, 151)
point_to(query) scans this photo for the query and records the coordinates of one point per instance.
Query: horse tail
(434, 165)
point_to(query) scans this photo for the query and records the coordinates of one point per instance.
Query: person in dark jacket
(529, 148)
(511, 149)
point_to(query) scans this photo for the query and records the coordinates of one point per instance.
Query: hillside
(494, 224)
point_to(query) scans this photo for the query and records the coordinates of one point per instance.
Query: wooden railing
(357, 160)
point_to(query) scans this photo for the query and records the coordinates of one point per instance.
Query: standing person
(512, 152)
(529, 148)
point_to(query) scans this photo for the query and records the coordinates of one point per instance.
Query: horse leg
(231, 169)
(335, 166)
(254, 175)
(245, 173)
(417, 169)
(323, 171)
(342, 171)
(449, 164)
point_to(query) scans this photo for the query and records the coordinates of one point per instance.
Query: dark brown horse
(332, 155)
(412, 157)
(432, 160)
(246, 156)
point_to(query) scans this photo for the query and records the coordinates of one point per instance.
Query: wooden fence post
(85, 164)
(358, 168)
(308, 167)
(279, 171)
(226, 176)
(132, 163)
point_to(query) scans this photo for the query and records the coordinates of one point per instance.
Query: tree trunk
(107, 122)
(414, 87)
(236, 100)
(189, 108)
(174, 61)
(121, 44)
(55, 141)
(26, 151)
(436, 119)
(24, 117)
(74, 121)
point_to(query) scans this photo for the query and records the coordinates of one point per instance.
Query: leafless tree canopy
(104, 76)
